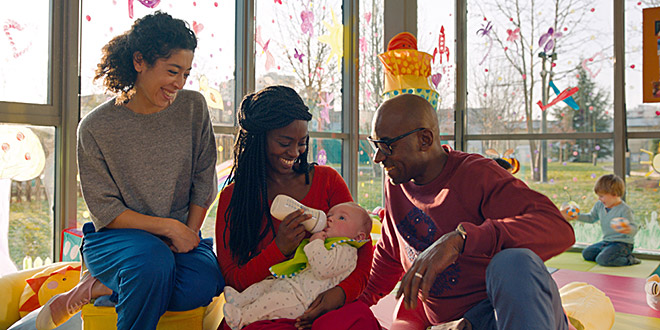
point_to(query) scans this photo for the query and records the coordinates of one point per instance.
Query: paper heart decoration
(146, 3)
(435, 79)
(12, 30)
(657, 113)
(197, 27)
(367, 17)
(586, 63)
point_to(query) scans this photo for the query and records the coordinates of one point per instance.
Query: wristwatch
(463, 234)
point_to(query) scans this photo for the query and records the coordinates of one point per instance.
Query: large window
(24, 49)
(436, 35)
(213, 65)
(643, 123)
(27, 187)
(300, 44)
(496, 85)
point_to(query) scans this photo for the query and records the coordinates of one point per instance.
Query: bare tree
(518, 43)
(298, 51)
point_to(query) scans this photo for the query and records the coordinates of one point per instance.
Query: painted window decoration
(213, 65)
(370, 70)
(436, 36)
(300, 44)
(26, 195)
(25, 52)
(541, 68)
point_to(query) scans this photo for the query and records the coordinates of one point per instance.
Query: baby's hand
(320, 235)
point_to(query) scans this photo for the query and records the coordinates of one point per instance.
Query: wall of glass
(495, 68)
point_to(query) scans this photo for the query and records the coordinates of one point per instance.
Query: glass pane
(300, 44)
(642, 117)
(225, 144)
(573, 167)
(25, 51)
(370, 69)
(326, 152)
(27, 162)
(436, 36)
(213, 66)
(514, 51)
(642, 183)
(370, 178)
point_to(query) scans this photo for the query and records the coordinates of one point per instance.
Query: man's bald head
(408, 111)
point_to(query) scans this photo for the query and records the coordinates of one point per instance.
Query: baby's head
(610, 184)
(348, 220)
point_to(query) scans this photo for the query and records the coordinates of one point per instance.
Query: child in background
(331, 255)
(618, 234)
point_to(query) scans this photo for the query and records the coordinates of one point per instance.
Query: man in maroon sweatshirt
(465, 237)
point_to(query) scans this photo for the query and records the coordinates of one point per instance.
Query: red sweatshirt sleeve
(255, 270)
(538, 225)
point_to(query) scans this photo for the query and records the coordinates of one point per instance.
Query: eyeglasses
(385, 146)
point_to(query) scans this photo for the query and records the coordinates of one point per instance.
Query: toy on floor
(621, 225)
(652, 288)
(571, 209)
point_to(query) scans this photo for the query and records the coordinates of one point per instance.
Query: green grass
(30, 230)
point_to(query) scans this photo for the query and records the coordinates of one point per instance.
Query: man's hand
(431, 262)
(325, 302)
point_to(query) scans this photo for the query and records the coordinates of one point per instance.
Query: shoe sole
(45, 318)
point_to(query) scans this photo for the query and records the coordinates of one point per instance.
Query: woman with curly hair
(146, 160)
(270, 158)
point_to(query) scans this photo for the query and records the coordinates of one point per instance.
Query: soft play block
(570, 260)
(105, 318)
(643, 270)
(71, 240)
(623, 321)
(627, 293)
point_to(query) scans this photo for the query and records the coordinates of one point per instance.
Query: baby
(320, 263)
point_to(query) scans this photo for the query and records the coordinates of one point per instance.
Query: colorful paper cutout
(9, 27)
(334, 38)
(513, 34)
(569, 100)
(307, 17)
(212, 95)
(442, 48)
(598, 57)
(326, 99)
(547, 40)
(146, 3)
(485, 32)
(298, 55)
(562, 96)
(270, 60)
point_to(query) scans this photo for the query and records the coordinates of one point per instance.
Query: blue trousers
(521, 295)
(609, 253)
(147, 277)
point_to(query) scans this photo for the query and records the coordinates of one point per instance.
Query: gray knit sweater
(155, 164)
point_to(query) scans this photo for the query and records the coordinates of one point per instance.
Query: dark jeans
(609, 253)
(521, 295)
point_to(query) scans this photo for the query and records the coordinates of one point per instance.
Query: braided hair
(270, 108)
(155, 36)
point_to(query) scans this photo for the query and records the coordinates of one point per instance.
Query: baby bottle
(283, 205)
